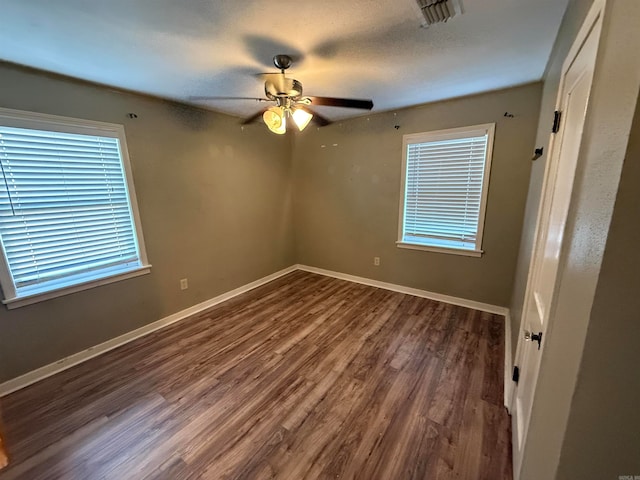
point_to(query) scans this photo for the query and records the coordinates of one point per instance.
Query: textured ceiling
(358, 48)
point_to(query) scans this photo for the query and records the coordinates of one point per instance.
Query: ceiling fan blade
(342, 102)
(319, 119)
(253, 117)
(197, 98)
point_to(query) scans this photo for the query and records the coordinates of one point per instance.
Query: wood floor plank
(447, 402)
(305, 377)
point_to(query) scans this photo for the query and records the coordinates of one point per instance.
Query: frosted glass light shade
(301, 118)
(275, 119)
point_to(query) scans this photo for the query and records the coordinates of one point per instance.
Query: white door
(556, 196)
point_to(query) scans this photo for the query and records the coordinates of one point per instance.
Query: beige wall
(347, 193)
(215, 206)
(574, 16)
(603, 433)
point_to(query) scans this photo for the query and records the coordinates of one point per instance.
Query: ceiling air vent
(438, 11)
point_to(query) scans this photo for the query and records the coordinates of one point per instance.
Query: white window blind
(445, 187)
(65, 213)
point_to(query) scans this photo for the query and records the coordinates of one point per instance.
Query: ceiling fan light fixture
(286, 93)
(276, 120)
(301, 118)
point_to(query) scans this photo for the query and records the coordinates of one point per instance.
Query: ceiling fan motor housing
(285, 87)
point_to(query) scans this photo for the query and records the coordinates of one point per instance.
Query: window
(68, 215)
(444, 189)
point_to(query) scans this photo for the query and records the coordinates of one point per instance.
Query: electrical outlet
(376, 261)
(184, 284)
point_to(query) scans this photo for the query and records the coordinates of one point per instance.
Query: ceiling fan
(289, 101)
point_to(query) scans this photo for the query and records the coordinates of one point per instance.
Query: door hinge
(557, 116)
(516, 374)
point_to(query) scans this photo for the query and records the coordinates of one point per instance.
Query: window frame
(55, 123)
(438, 135)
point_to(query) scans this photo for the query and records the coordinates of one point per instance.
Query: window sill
(452, 251)
(17, 302)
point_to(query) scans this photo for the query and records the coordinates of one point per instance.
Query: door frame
(4, 457)
(555, 141)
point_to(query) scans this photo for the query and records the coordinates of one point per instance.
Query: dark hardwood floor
(306, 377)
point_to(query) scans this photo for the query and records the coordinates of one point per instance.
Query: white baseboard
(508, 363)
(68, 362)
(462, 302)
(485, 307)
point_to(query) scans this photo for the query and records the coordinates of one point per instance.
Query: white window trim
(448, 134)
(40, 297)
(55, 123)
(431, 248)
